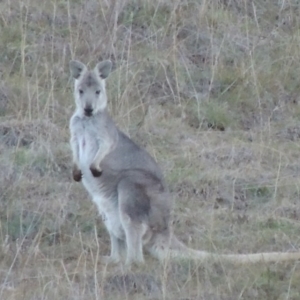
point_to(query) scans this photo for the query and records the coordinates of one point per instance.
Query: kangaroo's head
(89, 89)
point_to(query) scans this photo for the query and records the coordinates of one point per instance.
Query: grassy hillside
(210, 88)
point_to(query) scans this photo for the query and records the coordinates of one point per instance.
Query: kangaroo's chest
(88, 140)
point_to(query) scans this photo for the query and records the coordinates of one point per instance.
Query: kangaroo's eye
(97, 92)
(81, 92)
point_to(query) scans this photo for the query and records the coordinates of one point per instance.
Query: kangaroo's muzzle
(88, 110)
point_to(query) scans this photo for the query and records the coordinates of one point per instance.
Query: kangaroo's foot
(108, 259)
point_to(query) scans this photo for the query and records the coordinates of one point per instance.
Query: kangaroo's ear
(104, 68)
(77, 68)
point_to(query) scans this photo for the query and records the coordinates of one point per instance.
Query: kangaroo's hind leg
(117, 250)
(134, 208)
(134, 232)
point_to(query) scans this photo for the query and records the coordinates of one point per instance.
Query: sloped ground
(209, 88)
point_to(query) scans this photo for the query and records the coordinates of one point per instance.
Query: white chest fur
(87, 146)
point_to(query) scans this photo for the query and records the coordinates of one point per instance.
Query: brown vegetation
(209, 88)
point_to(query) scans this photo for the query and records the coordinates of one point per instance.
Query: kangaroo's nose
(88, 111)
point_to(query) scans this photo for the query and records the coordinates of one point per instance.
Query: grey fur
(125, 182)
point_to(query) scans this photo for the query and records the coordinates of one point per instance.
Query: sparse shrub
(19, 225)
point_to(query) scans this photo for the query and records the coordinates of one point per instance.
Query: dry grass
(209, 88)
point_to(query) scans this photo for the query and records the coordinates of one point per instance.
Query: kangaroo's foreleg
(105, 147)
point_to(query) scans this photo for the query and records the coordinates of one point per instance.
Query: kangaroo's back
(128, 155)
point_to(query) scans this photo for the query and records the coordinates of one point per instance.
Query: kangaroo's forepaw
(96, 171)
(77, 175)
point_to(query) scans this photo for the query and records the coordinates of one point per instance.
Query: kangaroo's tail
(174, 249)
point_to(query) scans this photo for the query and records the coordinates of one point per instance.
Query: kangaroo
(126, 183)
